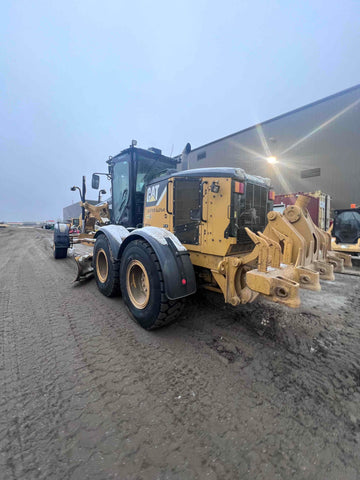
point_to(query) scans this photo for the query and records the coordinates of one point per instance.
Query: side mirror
(95, 181)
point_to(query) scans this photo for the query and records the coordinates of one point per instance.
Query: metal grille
(252, 214)
(256, 198)
(312, 172)
(186, 208)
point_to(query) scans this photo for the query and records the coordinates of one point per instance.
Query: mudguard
(174, 259)
(115, 235)
(61, 235)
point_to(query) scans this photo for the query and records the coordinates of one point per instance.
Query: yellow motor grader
(172, 232)
(95, 215)
(64, 238)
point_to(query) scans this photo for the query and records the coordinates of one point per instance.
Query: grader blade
(85, 268)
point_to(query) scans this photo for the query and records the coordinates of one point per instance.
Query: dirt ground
(257, 392)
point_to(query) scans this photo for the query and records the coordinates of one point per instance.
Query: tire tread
(112, 289)
(60, 252)
(169, 309)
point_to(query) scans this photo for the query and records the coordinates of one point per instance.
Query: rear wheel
(60, 252)
(142, 287)
(106, 269)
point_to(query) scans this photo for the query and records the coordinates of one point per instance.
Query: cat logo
(152, 193)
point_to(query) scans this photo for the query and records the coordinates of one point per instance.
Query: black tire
(60, 252)
(157, 309)
(106, 269)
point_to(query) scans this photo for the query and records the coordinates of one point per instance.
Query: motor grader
(173, 232)
(64, 236)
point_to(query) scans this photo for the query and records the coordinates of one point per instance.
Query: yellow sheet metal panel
(158, 205)
(216, 213)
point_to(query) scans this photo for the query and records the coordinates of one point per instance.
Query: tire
(142, 287)
(106, 269)
(60, 252)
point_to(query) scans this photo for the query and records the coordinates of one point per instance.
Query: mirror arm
(108, 175)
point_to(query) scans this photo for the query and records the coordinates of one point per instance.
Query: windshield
(347, 226)
(148, 169)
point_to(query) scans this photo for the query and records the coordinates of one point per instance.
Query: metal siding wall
(71, 211)
(331, 142)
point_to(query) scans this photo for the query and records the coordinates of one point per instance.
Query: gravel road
(258, 392)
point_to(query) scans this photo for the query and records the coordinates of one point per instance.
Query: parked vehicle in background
(48, 225)
(345, 231)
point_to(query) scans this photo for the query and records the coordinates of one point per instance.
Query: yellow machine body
(346, 247)
(211, 227)
(223, 217)
(290, 252)
(342, 247)
(172, 232)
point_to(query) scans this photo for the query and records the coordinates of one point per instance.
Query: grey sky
(79, 80)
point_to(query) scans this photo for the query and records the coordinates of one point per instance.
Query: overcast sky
(79, 80)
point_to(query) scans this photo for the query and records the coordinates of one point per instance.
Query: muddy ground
(258, 392)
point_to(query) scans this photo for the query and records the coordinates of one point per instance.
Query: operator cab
(130, 171)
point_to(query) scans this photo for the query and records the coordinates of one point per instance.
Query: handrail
(202, 201)
(167, 197)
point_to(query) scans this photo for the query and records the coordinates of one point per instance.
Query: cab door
(121, 193)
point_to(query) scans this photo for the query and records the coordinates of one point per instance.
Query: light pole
(82, 198)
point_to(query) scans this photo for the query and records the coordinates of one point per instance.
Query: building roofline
(278, 117)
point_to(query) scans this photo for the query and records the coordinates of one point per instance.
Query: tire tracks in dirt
(224, 393)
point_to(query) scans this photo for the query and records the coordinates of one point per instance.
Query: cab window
(147, 170)
(120, 189)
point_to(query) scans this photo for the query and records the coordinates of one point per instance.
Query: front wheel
(142, 287)
(60, 252)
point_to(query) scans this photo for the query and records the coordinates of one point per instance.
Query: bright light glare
(272, 160)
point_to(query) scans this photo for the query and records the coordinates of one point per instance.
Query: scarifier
(173, 232)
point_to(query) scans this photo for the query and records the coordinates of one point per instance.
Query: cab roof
(223, 172)
(219, 172)
(151, 153)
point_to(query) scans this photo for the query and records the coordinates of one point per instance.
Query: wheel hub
(102, 267)
(137, 284)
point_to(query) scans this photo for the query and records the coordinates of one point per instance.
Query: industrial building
(74, 210)
(315, 147)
